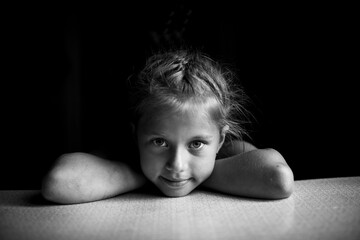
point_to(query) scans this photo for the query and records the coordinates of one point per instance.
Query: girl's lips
(175, 183)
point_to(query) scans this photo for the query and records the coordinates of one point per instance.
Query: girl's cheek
(204, 167)
(151, 163)
(148, 168)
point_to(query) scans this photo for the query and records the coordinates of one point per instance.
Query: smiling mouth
(175, 183)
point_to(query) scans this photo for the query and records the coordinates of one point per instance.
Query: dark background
(65, 67)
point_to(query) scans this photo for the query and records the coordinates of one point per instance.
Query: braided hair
(183, 79)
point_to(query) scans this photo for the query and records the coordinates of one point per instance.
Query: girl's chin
(175, 193)
(176, 189)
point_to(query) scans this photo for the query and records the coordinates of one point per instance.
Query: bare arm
(82, 177)
(251, 172)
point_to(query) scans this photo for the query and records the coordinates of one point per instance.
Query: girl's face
(178, 150)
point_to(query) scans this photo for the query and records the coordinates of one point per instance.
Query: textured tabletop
(318, 209)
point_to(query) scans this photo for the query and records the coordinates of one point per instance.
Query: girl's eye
(196, 145)
(159, 142)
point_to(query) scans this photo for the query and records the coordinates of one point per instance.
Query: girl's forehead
(162, 114)
(187, 115)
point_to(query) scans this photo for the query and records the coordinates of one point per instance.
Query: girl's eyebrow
(152, 133)
(159, 134)
(203, 137)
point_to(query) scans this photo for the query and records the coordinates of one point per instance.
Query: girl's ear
(223, 132)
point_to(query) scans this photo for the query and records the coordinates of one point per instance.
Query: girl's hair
(174, 79)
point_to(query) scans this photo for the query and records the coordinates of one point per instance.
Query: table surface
(318, 209)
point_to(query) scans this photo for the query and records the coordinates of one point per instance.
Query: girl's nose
(177, 161)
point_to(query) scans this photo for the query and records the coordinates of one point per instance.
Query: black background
(64, 72)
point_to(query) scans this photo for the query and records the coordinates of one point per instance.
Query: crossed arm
(82, 177)
(242, 170)
(247, 171)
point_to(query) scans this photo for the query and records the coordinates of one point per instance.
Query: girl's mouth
(175, 183)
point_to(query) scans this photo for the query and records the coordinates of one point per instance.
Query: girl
(187, 123)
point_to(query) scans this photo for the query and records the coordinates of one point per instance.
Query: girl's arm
(82, 177)
(251, 172)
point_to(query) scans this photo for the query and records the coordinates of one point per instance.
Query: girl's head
(185, 106)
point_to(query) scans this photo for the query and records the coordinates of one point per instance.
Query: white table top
(318, 209)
